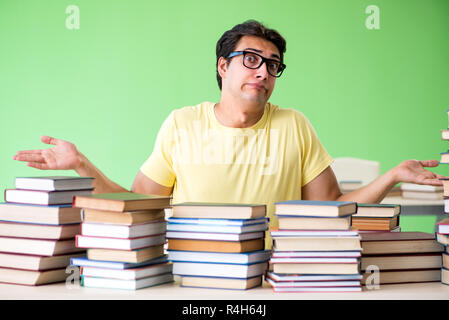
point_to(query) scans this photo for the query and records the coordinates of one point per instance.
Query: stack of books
(443, 238)
(314, 248)
(376, 218)
(38, 226)
(124, 234)
(418, 191)
(401, 257)
(221, 246)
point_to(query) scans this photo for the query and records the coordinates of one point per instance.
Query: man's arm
(325, 185)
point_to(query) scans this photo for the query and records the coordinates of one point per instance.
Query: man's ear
(222, 67)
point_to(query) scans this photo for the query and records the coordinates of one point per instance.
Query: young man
(242, 149)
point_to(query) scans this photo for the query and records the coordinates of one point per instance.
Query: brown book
(38, 231)
(38, 263)
(216, 246)
(32, 278)
(374, 210)
(131, 256)
(386, 224)
(404, 276)
(218, 210)
(319, 243)
(38, 246)
(128, 218)
(399, 242)
(316, 268)
(121, 201)
(403, 261)
(221, 283)
(311, 223)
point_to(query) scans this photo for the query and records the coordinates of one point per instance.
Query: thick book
(128, 274)
(381, 224)
(218, 210)
(34, 262)
(317, 243)
(209, 228)
(95, 282)
(316, 268)
(116, 265)
(119, 243)
(403, 276)
(55, 214)
(215, 236)
(403, 261)
(38, 231)
(130, 256)
(443, 226)
(216, 246)
(32, 277)
(123, 231)
(38, 246)
(128, 218)
(314, 208)
(219, 257)
(399, 242)
(371, 210)
(222, 270)
(54, 183)
(121, 201)
(313, 223)
(221, 283)
(43, 197)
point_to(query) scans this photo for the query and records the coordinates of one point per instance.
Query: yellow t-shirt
(205, 161)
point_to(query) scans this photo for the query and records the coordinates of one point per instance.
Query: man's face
(255, 85)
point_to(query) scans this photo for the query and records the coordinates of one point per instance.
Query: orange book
(216, 246)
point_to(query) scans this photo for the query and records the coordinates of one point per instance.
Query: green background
(373, 94)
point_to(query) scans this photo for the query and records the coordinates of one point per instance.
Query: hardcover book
(54, 183)
(315, 208)
(218, 210)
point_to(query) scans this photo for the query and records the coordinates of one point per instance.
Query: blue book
(313, 208)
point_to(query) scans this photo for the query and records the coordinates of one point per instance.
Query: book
(210, 228)
(54, 183)
(442, 239)
(316, 243)
(370, 210)
(423, 195)
(420, 187)
(117, 265)
(127, 218)
(42, 197)
(445, 134)
(313, 277)
(123, 231)
(315, 208)
(445, 276)
(313, 223)
(55, 214)
(221, 283)
(403, 261)
(312, 233)
(318, 289)
(32, 277)
(216, 246)
(313, 284)
(316, 254)
(220, 222)
(218, 210)
(222, 270)
(445, 259)
(121, 201)
(399, 242)
(126, 256)
(316, 268)
(443, 226)
(38, 246)
(215, 236)
(313, 260)
(95, 282)
(219, 257)
(34, 262)
(119, 243)
(384, 224)
(39, 231)
(444, 157)
(445, 182)
(405, 276)
(128, 274)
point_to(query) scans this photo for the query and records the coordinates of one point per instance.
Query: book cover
(117, 265)
(215, 236)
(43, 197)
(218, 210)
(97, 282)
(219, 257)
(316, 208)
(119, 243)
(219, 269)
(123, 231)
(54, 183)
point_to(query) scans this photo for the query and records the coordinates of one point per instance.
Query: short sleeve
(314, 157)
(159, 166)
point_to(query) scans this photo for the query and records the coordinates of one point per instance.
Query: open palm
(413, 171)
(63, 156)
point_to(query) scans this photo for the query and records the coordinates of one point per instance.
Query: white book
(85, 262)
(313, 233)
(226, 222)
(316, 254)
(128, 274)
(314, 289)
(420, 187)
(123, 231)
(219, 269)
(52, 183)
(214, 236)
(313, 260)
(119, 244)
(43, 197)
(218, 257)
(313, 277)
(217, 228)
(94, 282)
(305, 284)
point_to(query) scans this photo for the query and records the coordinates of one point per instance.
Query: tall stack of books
(442, 235)
(124, 234)
(314, 248)
(418, 191)
(401, 257)
(218, 246)
(37, 229)
(376, 218)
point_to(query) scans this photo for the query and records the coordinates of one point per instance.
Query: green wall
(374, 94)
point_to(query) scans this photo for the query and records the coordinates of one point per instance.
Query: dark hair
(228, 41)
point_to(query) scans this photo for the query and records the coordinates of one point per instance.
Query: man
(242, 149)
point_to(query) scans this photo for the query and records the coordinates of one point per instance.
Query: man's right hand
(63, 156)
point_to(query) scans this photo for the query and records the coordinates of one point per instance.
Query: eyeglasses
(252, 60)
